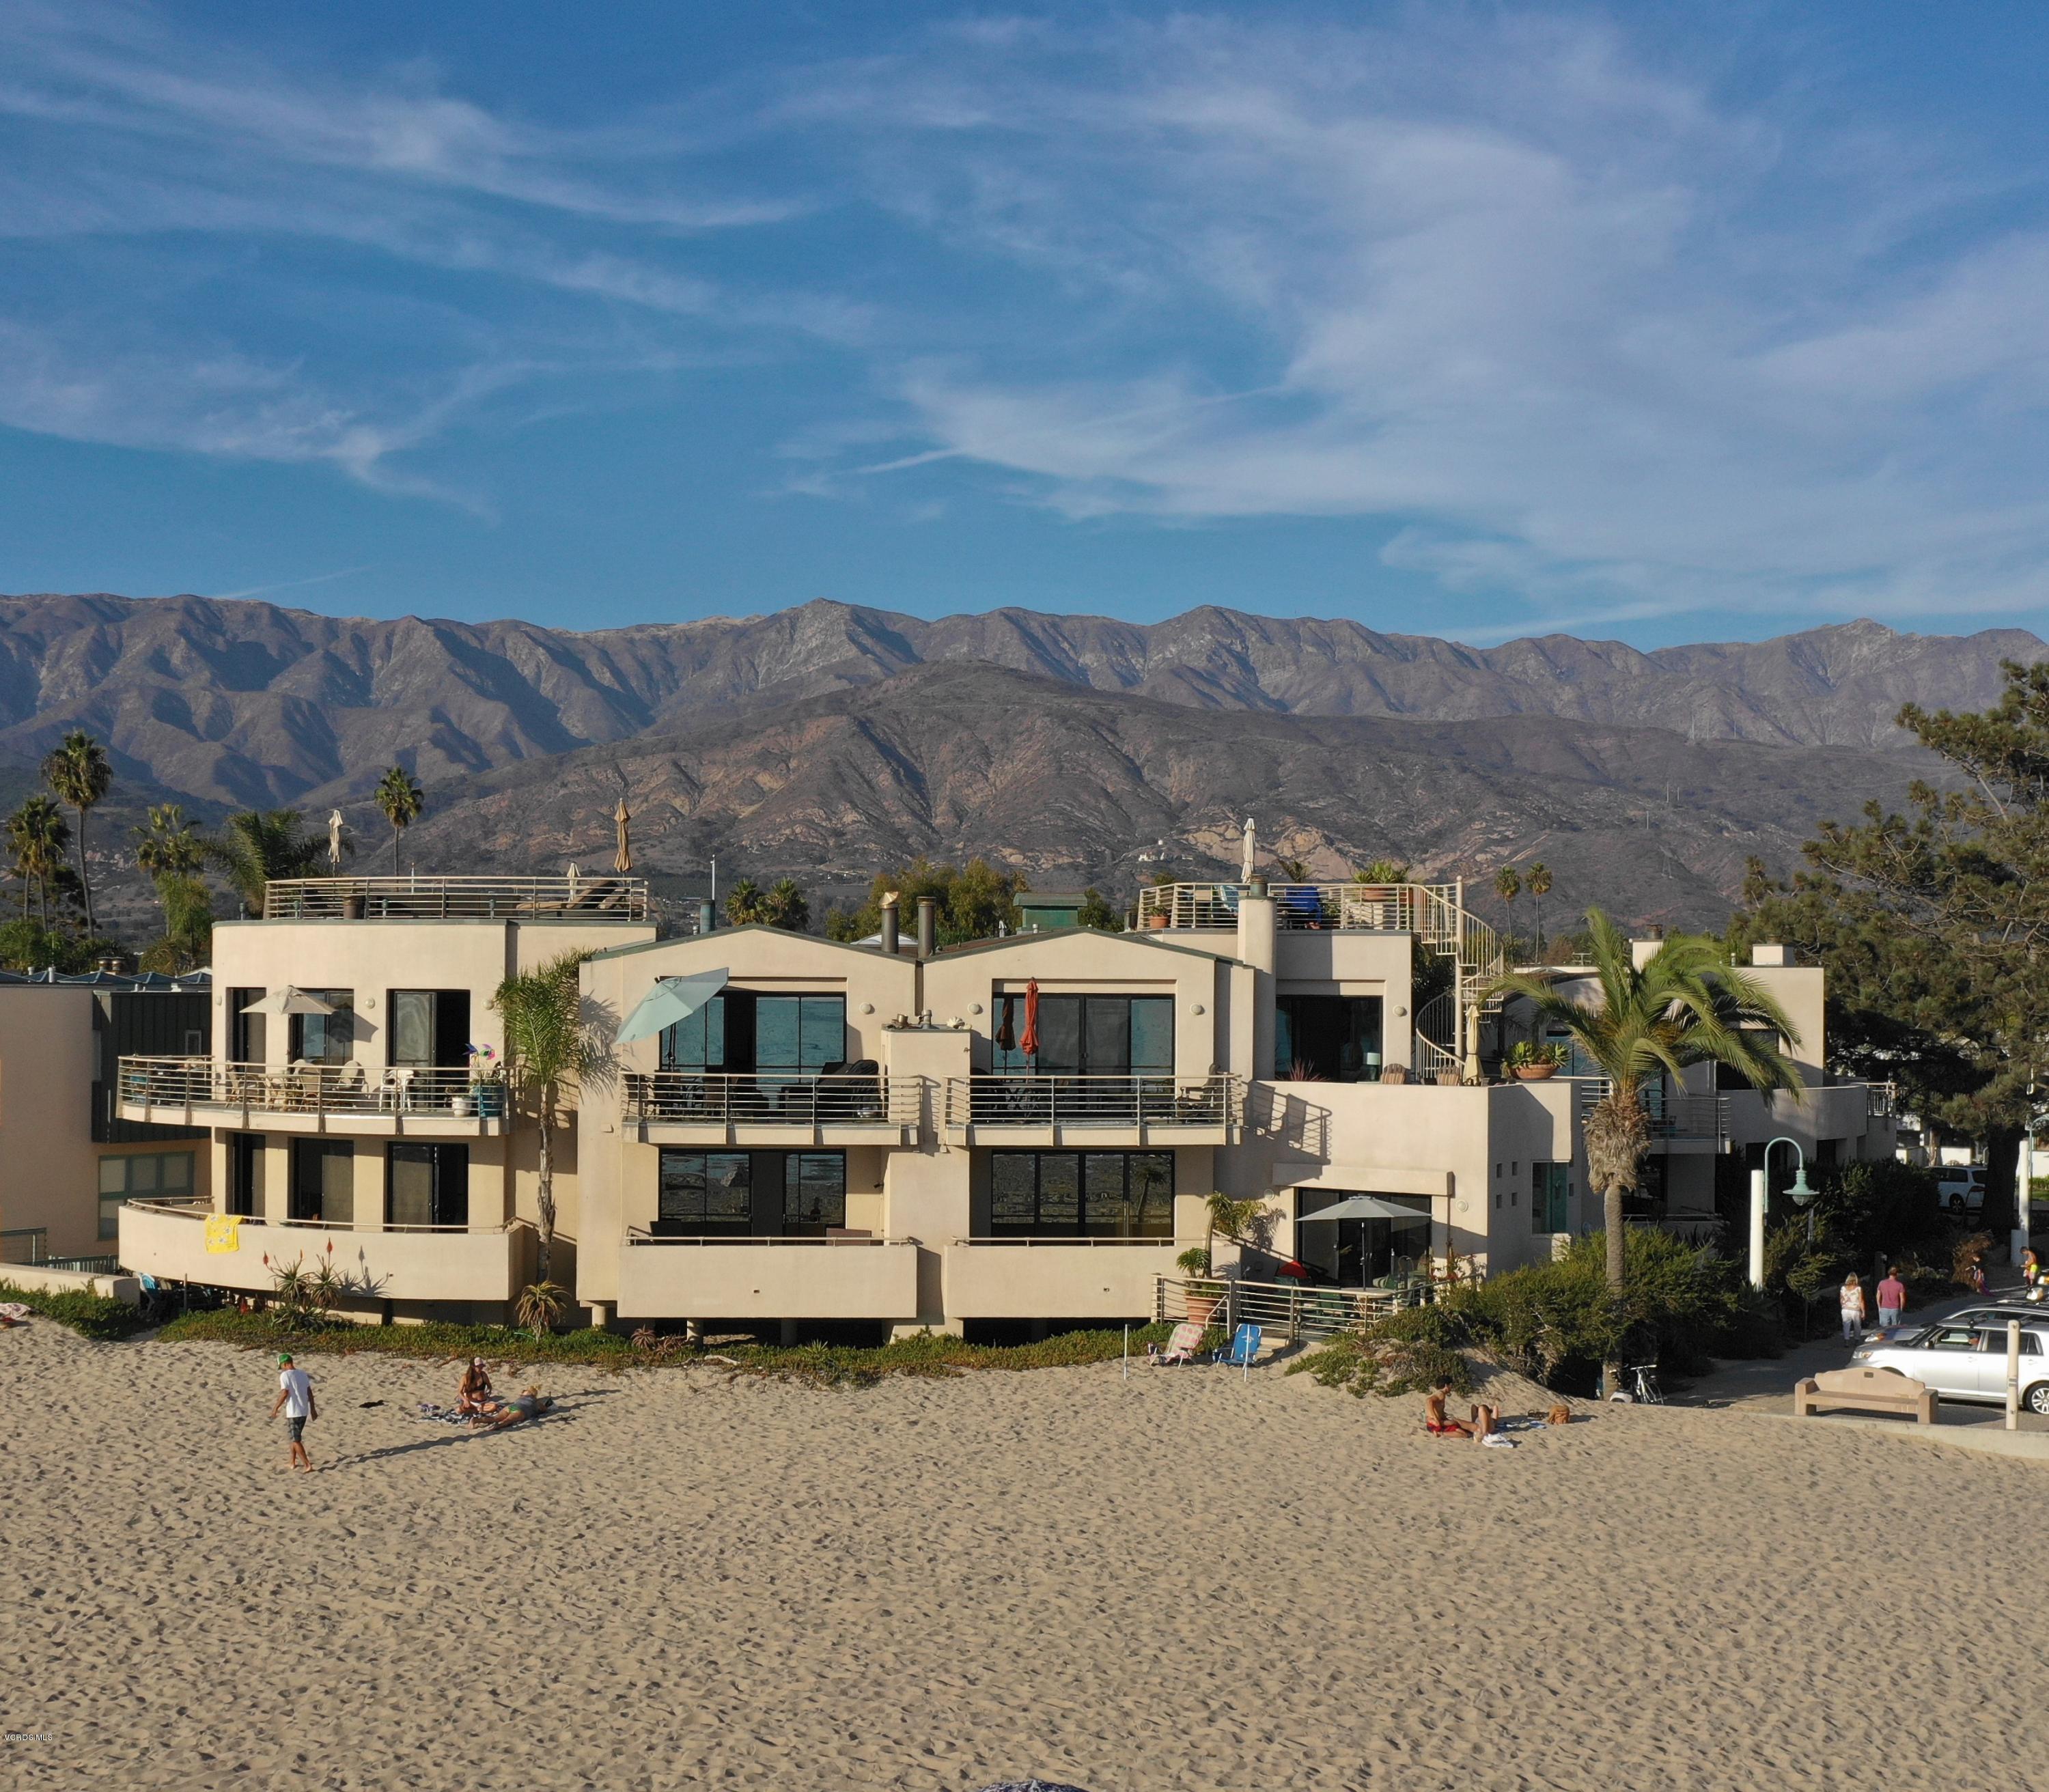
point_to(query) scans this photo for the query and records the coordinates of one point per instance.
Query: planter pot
(351, 908)
(1535, 1073)
(490, 1099)
(459, 1105)
(1155, 924)
(1201, 1306)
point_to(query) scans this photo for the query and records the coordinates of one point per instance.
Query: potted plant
(1202, 1292)
(1204, 1289)
(486, 1083)
(1532, 1063)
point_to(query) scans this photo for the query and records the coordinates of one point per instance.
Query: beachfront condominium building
(68, 1159)
(353, 1108)
(1016, 1132)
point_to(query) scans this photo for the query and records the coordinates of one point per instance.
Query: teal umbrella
(673, 999)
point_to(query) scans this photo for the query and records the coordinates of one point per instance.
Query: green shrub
(1408, 1351)
(92, 1315)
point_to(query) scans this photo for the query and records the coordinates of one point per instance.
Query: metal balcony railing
(1671, 1116)
(1135, 1100)
(456, 898)
(307, 1088)
(198, 1208)
(695, 1097)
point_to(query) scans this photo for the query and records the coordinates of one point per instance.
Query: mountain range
(828, 741)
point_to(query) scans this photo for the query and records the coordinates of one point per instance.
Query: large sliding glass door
(426, 1184)
(1081, 1193)
(1358, 1252)
(323, 1181)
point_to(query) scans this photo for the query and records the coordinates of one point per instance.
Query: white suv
(1964, 1356)
(1961, 1188)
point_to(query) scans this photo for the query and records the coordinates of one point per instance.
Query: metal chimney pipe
(707, 915)
(928, 926)
(889, 923)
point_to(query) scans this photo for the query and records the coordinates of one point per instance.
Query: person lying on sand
(1439, 1424)
(474, 1395)
(531, 1404)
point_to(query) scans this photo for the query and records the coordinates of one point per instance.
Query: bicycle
(1640, 1387)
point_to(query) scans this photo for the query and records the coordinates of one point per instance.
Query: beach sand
(1185, 1582)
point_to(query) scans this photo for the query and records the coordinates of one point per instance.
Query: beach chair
(1181, 1347)
(1244, 1346)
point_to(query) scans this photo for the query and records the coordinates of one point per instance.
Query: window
(426, 1185)
(1995, 1344)
(323, 1181)
(813, 1191)
(1088, 1035)
(1550, 1197)
(698, 1043)
(246, 1160)
(247, 1033)
(1096, 1194)
(705, 1192)
(428, 1028)
(325, 1039)
(167, 1172)
(789, 1038)
(1335, 1039)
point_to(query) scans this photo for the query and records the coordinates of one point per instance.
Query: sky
(1654, 322)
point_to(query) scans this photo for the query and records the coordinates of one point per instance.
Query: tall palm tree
(76, 769)
(36, 835)
(169, 850)
(547, 1050)
(787, 907)
(1685, 1005)
(401, 800)
(259, 845)
(1536, 880)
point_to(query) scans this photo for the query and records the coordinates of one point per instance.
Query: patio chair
(1181, 1346)
(1244, 1346)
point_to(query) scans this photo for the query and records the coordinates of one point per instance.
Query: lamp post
(1802, 1195)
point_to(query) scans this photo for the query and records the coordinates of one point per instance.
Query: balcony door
(1357, 1253)
(325, 1039)
(427, 1029)
(1088, 1035)
(323, 1181)
(247, 1034)
(246, 1159)
(426, 1184)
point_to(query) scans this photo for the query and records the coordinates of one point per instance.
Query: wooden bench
(1866, 1390)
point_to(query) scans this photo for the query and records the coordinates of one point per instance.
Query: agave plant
(291, 1286)
(540, 1305)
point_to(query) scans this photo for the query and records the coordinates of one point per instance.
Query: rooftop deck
(456, 898)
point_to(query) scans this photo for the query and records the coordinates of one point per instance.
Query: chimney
(1762, 955)
(928, 926)
(707, 915)
(889, 923)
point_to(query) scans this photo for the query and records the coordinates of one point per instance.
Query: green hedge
(92, 1316)
(824, 1364)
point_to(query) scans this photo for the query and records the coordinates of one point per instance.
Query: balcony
(750, 1278)
(1429, 909)
(172, 1242)
(351, 1100)
(1683, 1125)
(699, 1107)
(1055, 1278)
(456, 899)
(1099, 1111)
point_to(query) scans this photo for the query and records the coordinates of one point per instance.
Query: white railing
(187, 1207)
(1294, 1309)
(1213, 907)
(456, 898)
(1881, 1101)
(702, 1098)
(1138, 1099)
(640, 1235)
(305, 1088)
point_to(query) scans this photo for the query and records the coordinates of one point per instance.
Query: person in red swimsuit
(1439, 1424)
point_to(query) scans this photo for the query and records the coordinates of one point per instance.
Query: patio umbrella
(289, 1000)
(622, 860)
(1365, 1207)
(1029, 1043)
(673, 999)
(1006, 1028)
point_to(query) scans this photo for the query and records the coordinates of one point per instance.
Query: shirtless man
(1439, 1424)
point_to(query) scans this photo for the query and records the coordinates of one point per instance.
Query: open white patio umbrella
(673, 999)
(1365, 1207)
(290, 1000)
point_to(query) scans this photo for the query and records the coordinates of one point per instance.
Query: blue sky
(1658, 322)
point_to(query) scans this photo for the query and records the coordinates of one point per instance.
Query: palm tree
(76, 769)
(1294, 871)
(745, 904)
(37, 834)
(547, 1048)
(787, 907)
(1685, 1005)
(261, 844)
(169, 850)
(401, 800)
(1536, 880)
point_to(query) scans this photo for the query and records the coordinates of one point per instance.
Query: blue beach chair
(1244, 1346)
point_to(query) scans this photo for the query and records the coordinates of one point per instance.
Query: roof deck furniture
(1866, 1391)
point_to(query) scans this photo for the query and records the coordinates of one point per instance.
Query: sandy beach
(1187, 1581)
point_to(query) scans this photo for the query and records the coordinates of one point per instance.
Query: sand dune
(1184, 1582)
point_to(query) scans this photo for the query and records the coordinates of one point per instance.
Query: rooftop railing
(456, 898)
(1374, 908)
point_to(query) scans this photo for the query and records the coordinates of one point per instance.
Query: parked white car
(1964, 1356)
(1961, 1188)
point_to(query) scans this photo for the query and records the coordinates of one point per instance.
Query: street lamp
(1803, 1197)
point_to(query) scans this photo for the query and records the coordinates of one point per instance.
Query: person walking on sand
(295, 1400)
(1892, 1301)
(1851, 1295)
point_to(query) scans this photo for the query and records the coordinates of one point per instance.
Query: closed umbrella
(1029, 1043)
(622, 860)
